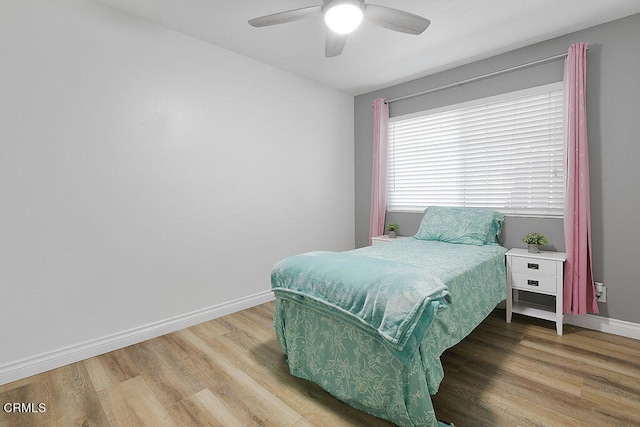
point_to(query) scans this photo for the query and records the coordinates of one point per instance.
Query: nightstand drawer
(532, 265)
(534, 282)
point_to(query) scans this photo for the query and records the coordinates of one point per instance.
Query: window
(503, 153)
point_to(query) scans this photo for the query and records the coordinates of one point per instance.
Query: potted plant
(393, 230)
(534, 240)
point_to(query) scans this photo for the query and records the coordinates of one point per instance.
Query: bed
(369, 325)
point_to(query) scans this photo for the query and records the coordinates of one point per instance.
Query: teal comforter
(357, 369)
(393, 301)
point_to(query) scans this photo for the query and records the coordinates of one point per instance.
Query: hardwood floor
(231, 372)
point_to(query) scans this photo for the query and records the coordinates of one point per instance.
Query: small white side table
(541, 273)
(384, 239)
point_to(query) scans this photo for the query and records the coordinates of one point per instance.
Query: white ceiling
(461, 31)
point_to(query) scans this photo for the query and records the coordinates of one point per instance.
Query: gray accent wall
(613, 109)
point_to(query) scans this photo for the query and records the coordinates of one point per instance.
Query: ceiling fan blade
(334, 44)
(394, 19)
(284, 17)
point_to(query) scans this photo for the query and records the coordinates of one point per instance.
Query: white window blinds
(504, 153)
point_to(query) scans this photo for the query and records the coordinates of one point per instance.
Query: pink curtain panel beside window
(379, 173)
(579, 293)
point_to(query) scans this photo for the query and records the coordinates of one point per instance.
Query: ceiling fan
(344, 16)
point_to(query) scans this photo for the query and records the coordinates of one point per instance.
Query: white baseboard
(605, 324)
(44, 362)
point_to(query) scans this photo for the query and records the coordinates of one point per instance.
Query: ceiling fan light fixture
(343, 17)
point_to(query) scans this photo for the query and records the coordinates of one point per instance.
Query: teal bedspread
(357, 369)
(393, 301)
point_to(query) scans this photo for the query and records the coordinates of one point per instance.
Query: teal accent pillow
(470, 226)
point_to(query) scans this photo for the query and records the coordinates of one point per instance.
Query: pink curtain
(379, 173)
(579, 293)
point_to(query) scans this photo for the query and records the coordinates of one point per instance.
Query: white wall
(145, 174)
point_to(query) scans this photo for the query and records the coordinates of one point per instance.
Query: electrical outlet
(603, 295)
(601, 292)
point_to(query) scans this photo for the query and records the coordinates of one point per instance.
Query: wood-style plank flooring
(231, 372)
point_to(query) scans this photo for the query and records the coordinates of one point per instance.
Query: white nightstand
(384, 239)
(540, 273)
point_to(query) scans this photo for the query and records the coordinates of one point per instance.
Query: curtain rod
(483, 76)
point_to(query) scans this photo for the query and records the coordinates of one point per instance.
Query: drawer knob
(533, 283)
(533, 266)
